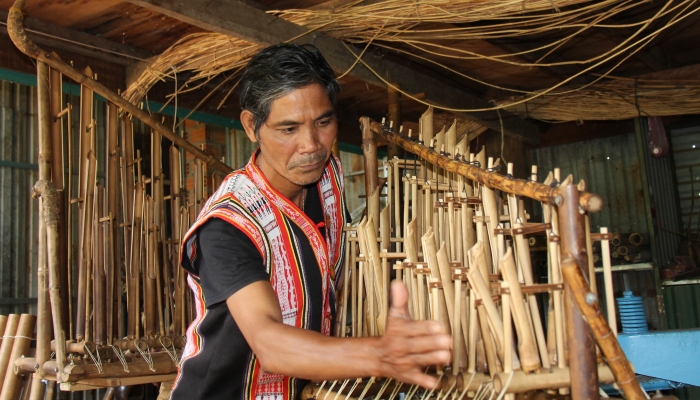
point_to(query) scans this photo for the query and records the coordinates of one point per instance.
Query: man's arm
(402, 353)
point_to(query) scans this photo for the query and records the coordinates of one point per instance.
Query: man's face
(296, 140)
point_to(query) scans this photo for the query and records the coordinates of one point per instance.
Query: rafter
(58, 37)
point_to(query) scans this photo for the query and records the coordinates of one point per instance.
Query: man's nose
(309, 140)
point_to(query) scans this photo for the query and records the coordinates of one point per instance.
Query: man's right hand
(408, 346)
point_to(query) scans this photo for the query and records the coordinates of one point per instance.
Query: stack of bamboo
(631, 247)
(455, 231)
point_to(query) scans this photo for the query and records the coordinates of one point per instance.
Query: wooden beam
(60, 38)
(253, 25)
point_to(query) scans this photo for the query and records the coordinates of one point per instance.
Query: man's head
(287, 96)
(277, 71)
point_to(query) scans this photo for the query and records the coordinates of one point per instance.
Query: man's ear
(248, 122)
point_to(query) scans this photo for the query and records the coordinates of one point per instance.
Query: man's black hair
(277, 71)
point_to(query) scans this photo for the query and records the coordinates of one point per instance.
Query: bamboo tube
(99, 277)
(507, 335)
(445, 305)
(589, 202)
(529, 358)
(149, 301)
(44, 95)
(555, 378)
(491, 216)
(8, 341)
(380, 287)
(397, 202)
(175, 204)
(25, 329)
(417, 278)
(639, 239)
(58, 175)
(385, 229)
(588, 305)
(50, 207)
(589, 251)
(459, 351)
(111, 229)
(607, 277)
(134, 267)
(484, 293)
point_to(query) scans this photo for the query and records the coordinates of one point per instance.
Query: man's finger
(399, 300)
(399, 326)
(437, 357)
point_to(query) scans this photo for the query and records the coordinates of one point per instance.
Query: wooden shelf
(629, 267)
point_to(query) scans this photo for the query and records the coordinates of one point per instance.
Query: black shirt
(227, 261)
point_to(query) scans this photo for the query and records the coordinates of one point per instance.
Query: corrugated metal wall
(611, 168)
(18, 211)
(683, 302)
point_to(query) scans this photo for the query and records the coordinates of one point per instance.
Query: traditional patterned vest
(246, 200)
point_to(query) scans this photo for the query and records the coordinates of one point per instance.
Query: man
(267, 246)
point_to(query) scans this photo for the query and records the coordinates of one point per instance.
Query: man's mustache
(309, 160)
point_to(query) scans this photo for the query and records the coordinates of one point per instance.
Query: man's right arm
(402, 353)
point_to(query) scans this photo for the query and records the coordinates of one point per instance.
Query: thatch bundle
(424, 25)
(614, 99)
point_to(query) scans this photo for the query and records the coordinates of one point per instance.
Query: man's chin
(307, 179)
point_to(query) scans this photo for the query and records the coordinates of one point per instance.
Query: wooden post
(582, 353)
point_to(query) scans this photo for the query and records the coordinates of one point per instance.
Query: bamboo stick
(529, 358)
(588, 304)
(607, 277)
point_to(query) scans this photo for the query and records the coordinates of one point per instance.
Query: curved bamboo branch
(15, 28)
(538, 191)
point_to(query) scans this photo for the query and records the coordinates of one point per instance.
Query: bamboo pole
(111, 227)
(587, 303)
(607, 277)
(589, 202)
(25, 329)
(45, 165)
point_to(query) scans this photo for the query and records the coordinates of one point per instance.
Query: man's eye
(289, 129)
(324, 122)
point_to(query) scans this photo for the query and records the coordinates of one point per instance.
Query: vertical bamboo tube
(98, 276)
(45, 165)
(134, 266)
(111, 227)
(397, 202)
(8, 342)
(394, 116)
(529, 359)
(607, 277)
(86, 144)
(25, 329)
(582, 354)
(149, 301)
(507, 335)
(175, 204)
(445, 305)
(58, 176)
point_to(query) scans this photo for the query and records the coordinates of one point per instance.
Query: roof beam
(250, 24)
(58, 37)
